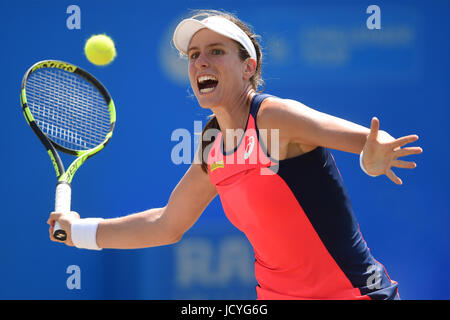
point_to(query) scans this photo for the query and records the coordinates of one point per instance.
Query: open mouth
(207, 84)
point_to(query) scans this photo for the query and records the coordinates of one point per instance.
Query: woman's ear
(249, 68)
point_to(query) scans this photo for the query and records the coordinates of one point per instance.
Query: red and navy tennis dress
(298, 217)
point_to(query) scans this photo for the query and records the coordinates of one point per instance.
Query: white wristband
(84, 233)
(362, 166)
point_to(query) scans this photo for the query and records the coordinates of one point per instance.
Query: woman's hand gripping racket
(70, 111)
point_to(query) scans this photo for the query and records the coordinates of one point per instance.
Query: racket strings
(67, 108)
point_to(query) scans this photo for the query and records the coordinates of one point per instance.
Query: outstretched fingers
(403, 164)
(400, 142)
(391, 175)
(374, 127)
(402, 153)
(407, 151)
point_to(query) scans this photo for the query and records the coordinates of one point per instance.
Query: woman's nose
(202, 61)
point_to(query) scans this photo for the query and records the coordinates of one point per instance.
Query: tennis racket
(70, 111)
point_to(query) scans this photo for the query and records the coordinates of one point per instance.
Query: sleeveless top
(298, 217)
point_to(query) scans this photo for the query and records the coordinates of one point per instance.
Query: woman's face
(217, 74)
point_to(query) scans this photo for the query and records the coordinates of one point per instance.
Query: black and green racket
(70, 111)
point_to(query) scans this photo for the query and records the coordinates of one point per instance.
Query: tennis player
(291, 203)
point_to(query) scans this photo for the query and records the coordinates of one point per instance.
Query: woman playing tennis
(291, 202)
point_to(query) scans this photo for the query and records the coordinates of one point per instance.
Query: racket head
(67, 107)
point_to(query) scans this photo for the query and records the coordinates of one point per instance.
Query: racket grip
(62, 205)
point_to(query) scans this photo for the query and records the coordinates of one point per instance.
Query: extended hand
(381, 152)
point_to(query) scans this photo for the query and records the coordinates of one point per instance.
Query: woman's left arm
(298, 123)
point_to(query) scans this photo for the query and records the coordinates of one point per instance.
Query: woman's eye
(217, 51)
(214, 52)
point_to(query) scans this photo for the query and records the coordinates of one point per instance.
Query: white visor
(188, 27)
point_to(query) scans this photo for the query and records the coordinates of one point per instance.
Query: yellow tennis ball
(100, 49)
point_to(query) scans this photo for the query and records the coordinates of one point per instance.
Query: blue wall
(317, 52)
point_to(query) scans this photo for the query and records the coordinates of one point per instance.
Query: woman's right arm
(154, 227)
(165, 225)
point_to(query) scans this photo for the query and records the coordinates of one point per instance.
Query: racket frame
(65, 176)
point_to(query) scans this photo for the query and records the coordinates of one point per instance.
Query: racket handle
(62, 205)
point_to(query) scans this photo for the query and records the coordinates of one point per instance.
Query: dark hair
(256, 80)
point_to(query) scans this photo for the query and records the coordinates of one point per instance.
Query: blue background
(317, 52)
